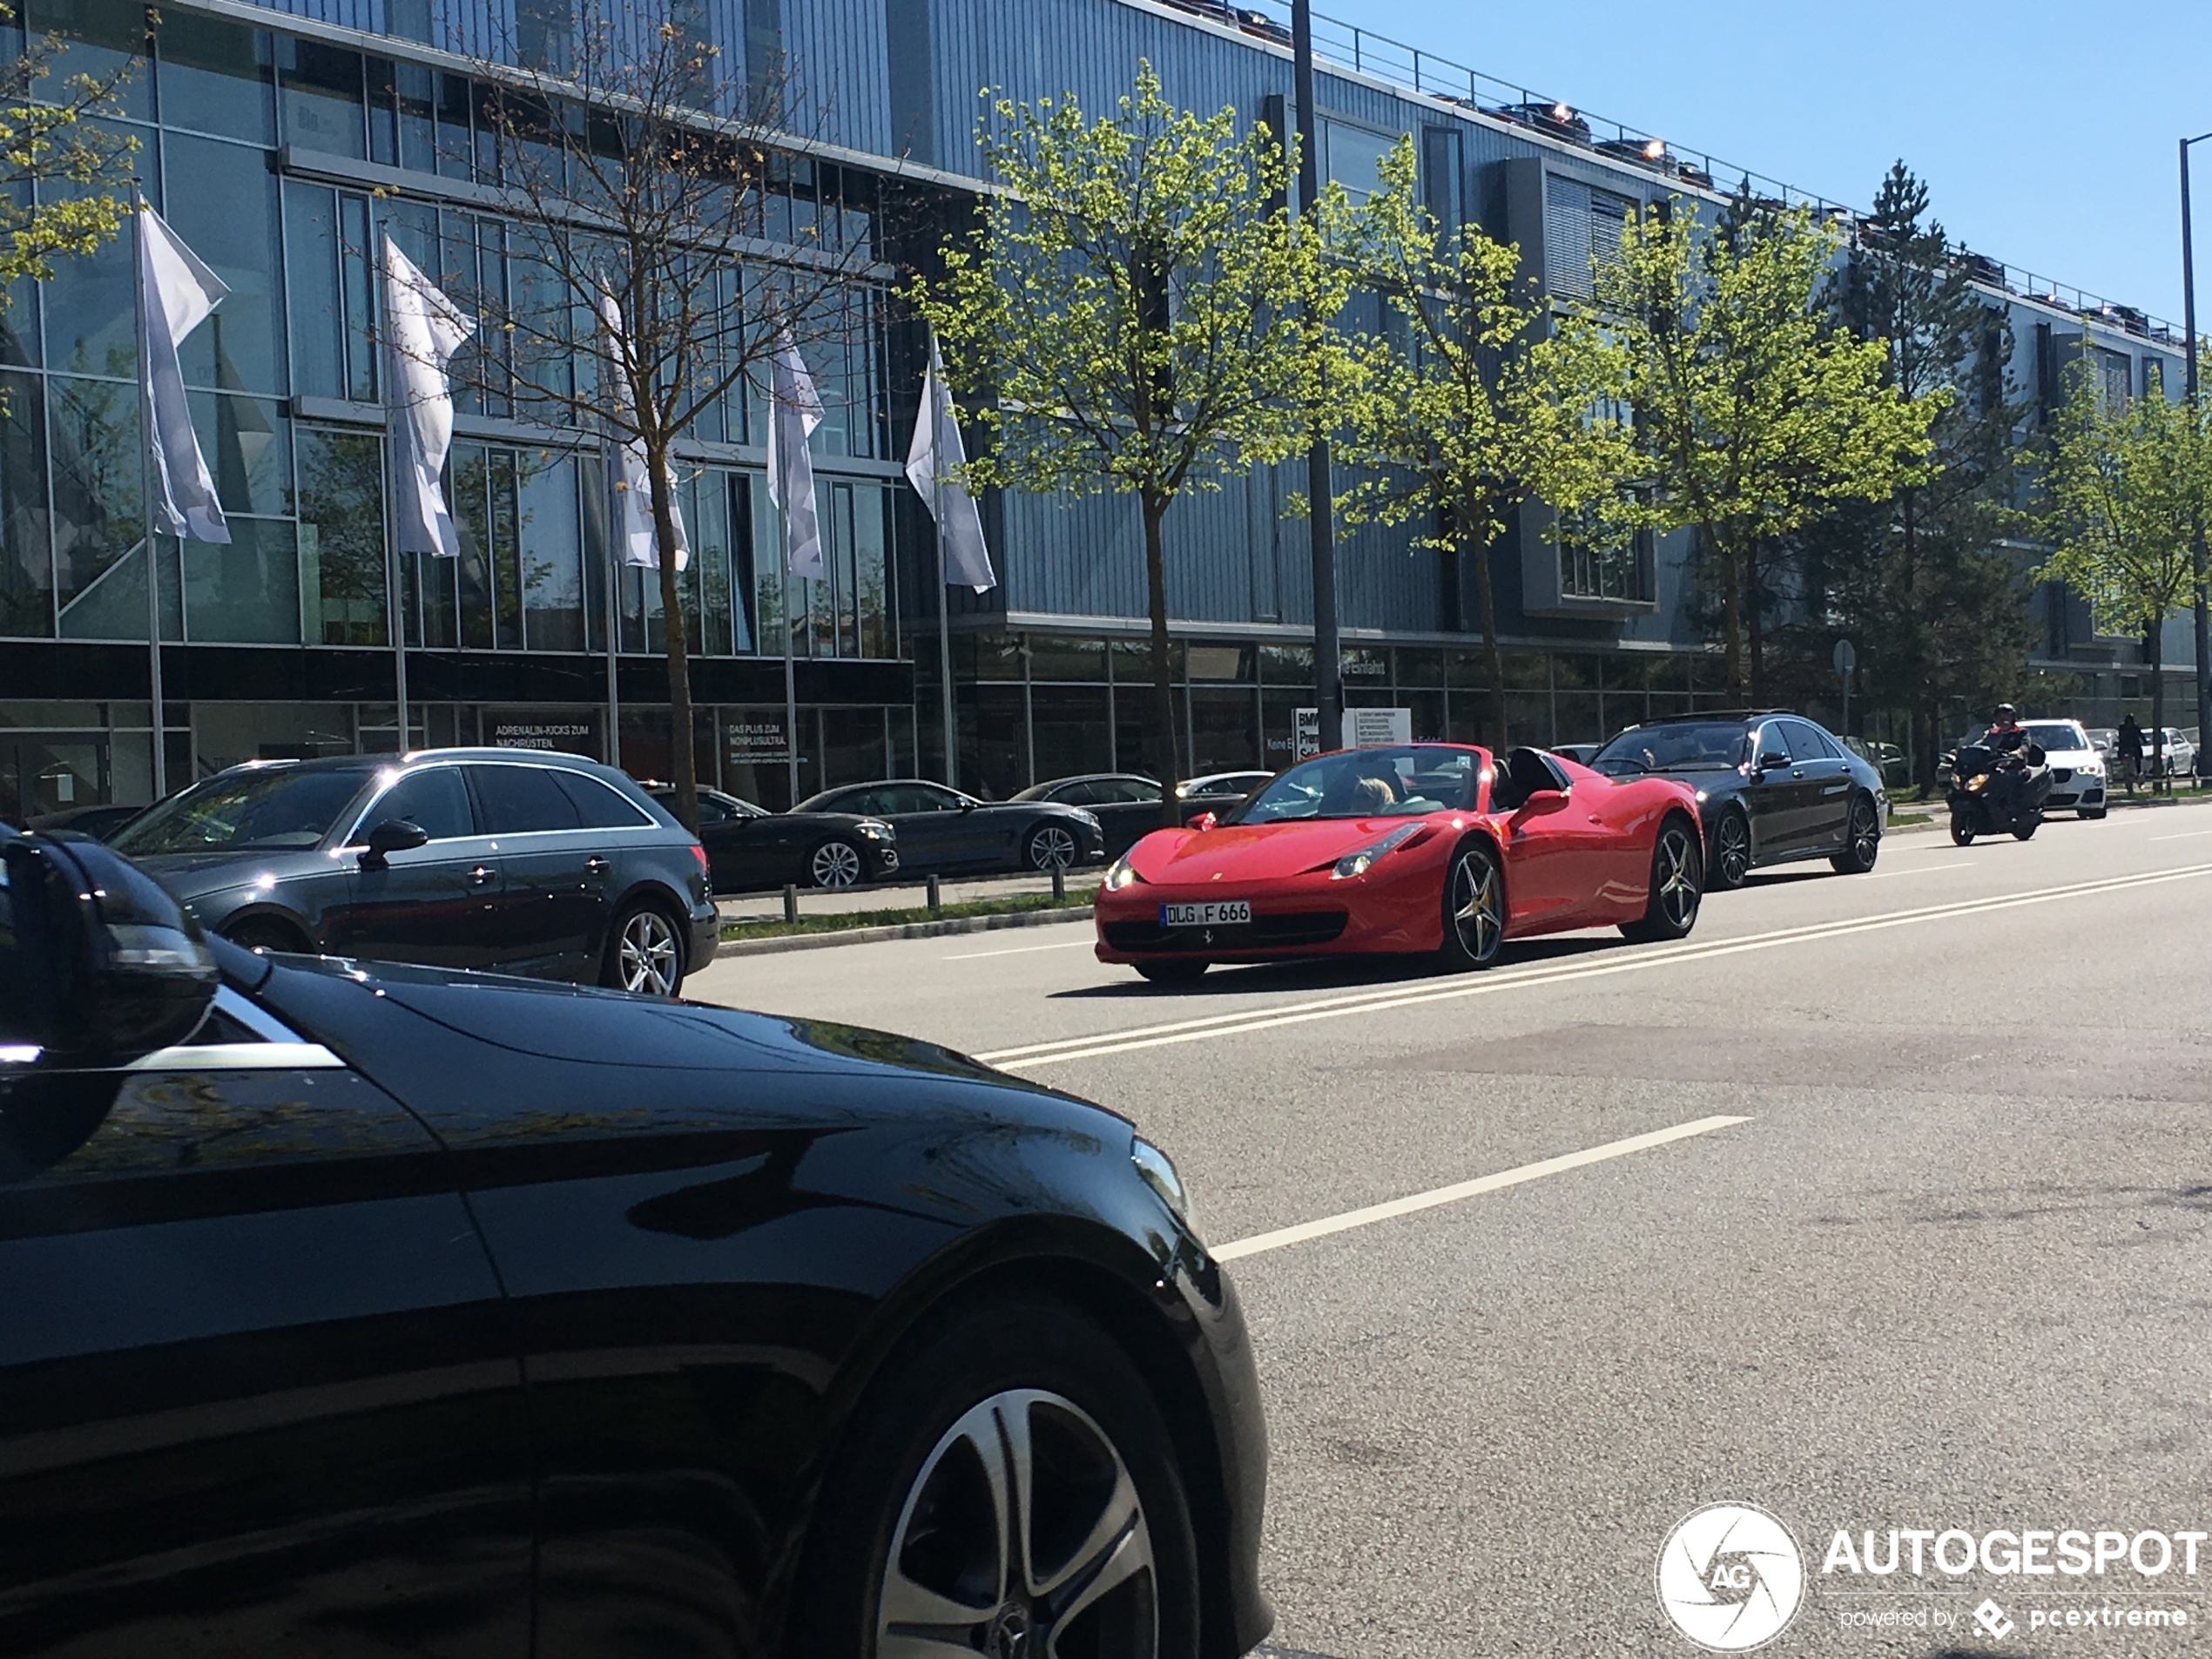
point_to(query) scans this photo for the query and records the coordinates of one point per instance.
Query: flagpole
(944, 593)
(395, 578)
(791, 684)
(614, 628)
(145, 486)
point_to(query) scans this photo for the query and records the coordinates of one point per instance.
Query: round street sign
(1846, 657)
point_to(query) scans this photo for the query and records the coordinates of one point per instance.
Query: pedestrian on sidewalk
(2130, 743)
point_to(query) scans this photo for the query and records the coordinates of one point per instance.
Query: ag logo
(1730, 1577)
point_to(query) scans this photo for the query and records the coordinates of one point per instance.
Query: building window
(1598, 561)
(342, 538)
(1582, 234)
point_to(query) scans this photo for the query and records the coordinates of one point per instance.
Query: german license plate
(1205, 915)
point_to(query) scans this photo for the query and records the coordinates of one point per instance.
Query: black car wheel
(1474, 908)
(1015, 1491)
(644, 952)
(835, 864)
(1731, 859)
(262, 933)
(1862, 840)
(1677, 887)
(1050, 848)
(1182, 971)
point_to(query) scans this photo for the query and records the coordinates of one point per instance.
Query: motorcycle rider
(2006, 738)
(2005, 734)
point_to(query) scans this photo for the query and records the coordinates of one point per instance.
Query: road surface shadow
(1326, 973)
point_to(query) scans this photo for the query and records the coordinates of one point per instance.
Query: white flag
(931, 458)
(176, 291)
(628, 482)
(423, 329)
(794, 410)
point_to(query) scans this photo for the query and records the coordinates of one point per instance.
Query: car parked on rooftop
(548, 865)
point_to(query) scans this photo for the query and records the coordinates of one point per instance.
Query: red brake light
(699, 852)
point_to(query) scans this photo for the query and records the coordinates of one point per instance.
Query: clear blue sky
(2046, 131)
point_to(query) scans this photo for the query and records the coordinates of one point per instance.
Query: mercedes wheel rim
(1477, 909)
(1865, 840)
(1733, 853)
(1022, 1531)
(1052, 848)
(1677, 880)
(835, 864)
(649, 954)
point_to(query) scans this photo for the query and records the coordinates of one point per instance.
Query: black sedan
(942, 829)
(1772, 787)
(378, 1311)
(1127, 806)
(541, 864)
(749, 847)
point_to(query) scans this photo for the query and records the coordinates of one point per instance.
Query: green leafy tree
(57, 168)
(1472, 399)
(1753, 411)
(1939, 610)
(1140, 309)
(2123, 486)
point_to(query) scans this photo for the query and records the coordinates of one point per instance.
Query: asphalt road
(1948, 1270)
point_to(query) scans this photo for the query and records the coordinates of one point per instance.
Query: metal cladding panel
(840, 62)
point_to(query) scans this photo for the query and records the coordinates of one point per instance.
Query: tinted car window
(1772, 740)
(921, 798)
(1807, 741)
(1082, 794)
(601, 808)
(432, 800)
(712, 809)
(519, 800)
(1690, 746)
(247, 810)
(1127, 789)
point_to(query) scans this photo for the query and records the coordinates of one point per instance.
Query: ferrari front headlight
(1119, 874)
(1358, 863)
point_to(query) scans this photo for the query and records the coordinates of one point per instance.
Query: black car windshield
(245, 811)
(1367, 783)
(1698, 745)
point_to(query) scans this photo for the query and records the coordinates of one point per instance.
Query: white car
(2178, 748)
(2077, 769)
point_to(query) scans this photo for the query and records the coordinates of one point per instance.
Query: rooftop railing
(1366, 53)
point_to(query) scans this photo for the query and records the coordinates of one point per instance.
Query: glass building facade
(283, 140)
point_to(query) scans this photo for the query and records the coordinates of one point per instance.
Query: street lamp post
(1328, 658)
(2203, 651)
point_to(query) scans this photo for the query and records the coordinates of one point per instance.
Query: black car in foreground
(378, 1311)
(541, 864)
(748, 846)
(1127, 805)
(941, 829)
(1772, 786)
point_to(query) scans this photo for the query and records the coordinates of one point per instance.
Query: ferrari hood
(1254, 852)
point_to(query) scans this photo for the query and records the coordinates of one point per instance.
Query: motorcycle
(1994, 791)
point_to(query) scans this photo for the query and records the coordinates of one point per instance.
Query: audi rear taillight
(699, 852)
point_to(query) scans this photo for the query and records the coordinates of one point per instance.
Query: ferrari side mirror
(1204, 821)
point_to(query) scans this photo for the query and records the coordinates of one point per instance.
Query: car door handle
(482, 876)
(596, 865)
(1596, 819)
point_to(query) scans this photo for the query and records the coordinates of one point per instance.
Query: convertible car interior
(1522, 773)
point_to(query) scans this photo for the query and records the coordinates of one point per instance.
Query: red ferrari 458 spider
(1421, 848)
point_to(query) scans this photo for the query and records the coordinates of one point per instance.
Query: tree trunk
(1755, 618)
(1494, 660)
(1731, 611)
(1160, 744)
(683, 761)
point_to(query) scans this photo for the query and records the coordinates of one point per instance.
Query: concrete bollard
(790, 903)
(1059, 883)
(935, 907)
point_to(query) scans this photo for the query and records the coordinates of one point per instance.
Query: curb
(900, 930)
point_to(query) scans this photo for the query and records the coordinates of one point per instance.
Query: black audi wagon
(547, 865)
(371, 1309)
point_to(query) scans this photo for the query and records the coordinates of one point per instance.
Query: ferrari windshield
(1693, 746)
(1394, 782)
(243, 811)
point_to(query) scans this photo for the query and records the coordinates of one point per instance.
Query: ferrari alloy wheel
(1731, 859)
(1677, 887)
(834, 864)
(1023, 1533)
(1050, 848)
(1474, 908)
(1862, 840)
(646, 956)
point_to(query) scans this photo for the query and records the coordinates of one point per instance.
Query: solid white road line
(1240, 1023)
(1087, 941)
(2186, 835)
(1458, 1190)
(1928, 869)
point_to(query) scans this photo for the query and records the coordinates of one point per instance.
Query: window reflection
(342, 537)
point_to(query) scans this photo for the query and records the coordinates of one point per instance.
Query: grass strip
(844, 921)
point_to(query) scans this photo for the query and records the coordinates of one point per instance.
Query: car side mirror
(965, 804)
(1203, 821)
(1773, 762)
(99, 965)
(393, 835)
